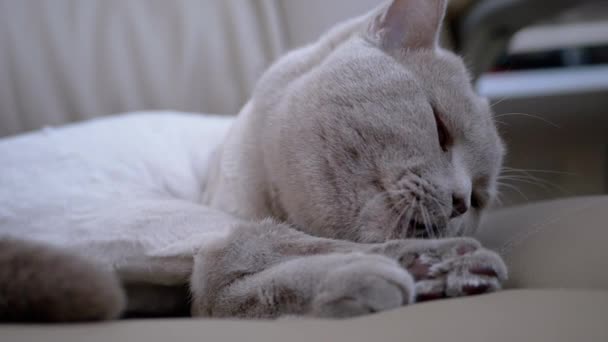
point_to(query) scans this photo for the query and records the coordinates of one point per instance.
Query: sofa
(63, 61)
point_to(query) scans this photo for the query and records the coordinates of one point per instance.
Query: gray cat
(341, 189)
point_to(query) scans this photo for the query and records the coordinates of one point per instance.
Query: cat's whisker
(444, 213)
(395, 225)
(397, 222)
(408, 219)
(513, 187)
(525, 181)
(526, 177)
(429, 219)
(536, 117)
(498, 198)
(413, 189)
(433, 227)
(423, 218)
(426, 221)
(499, 102)
(417, 194)
(445, 217)
(397, 206)
(410, 214)
(523, 174)
(544, 184)
(414, 216)
(531, 171)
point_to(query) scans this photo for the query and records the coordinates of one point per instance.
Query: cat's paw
(450, 267)
(470, 273)
(361, 284)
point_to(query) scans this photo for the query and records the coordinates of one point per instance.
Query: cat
(347, 185)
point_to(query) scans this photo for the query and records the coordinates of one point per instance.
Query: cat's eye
(445, 139)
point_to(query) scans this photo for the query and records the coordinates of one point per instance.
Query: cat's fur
(41, 283)
(339, 146)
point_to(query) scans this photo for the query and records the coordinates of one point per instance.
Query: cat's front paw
(450, 267)
(360, 284)
(470, 272)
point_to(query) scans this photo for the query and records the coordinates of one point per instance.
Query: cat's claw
(451, 268)
(474, 272)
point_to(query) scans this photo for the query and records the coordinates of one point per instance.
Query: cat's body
(370, 135)
(62, 188)
(128, 196)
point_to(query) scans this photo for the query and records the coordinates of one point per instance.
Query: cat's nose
(459, 206)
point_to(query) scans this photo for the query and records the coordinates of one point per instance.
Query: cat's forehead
(412, 82)
(446, 81)
(438, 71)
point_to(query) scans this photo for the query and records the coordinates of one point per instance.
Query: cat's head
(386, 138)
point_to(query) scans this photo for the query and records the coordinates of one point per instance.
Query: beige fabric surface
(557, 244)
(534, 316)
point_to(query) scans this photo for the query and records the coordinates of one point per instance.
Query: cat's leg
(142, 248)
(331, 285)
(40, 283)
(269, 270)
(151, 244)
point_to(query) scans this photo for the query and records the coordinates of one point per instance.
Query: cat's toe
(425, 259)
(455, 247)
(476, 273)
(364, 285)
(449, 267)
(427, 290)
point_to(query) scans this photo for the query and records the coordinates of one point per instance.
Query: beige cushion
(558, 244)
(539, 316)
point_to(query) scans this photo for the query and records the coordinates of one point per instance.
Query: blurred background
(544, 65)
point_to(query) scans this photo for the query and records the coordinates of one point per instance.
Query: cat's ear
(409, 24)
